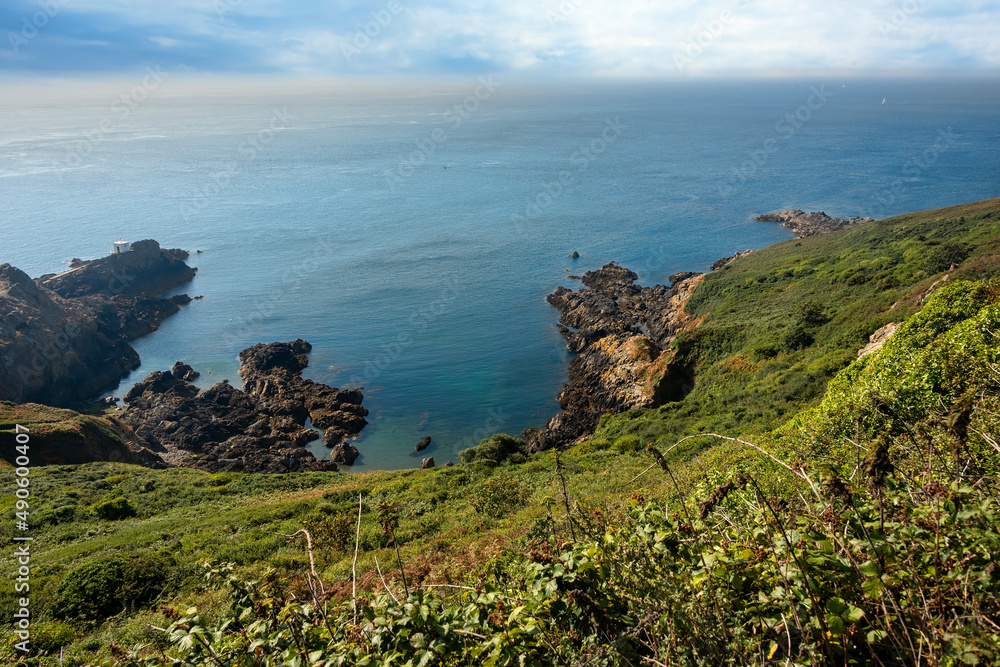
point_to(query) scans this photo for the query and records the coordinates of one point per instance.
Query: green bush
(795, 338)
(113, 508)
(628, 444)
(944, 255)
(47, 637)
(501, 496)
(499, 448)
(99, 589)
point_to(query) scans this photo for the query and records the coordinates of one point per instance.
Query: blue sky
(672, 38)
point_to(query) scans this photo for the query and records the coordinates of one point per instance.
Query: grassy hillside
(855, 525)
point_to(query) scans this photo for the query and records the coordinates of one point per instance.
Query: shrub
(498, 449)
(501, 496)
(99, 589)
(628, 444)
(113, 508)
(795, 338)
(944, 255)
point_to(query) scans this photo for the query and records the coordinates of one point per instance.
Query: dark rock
(344, 453)
(719, 263)
(678, 278)
(182, 371)
(111, 401)
(427, 463)
(449, 464)
(574, 254)
(258, 430)
(423, 444)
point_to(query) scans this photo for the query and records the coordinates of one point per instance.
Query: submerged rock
(423, 444)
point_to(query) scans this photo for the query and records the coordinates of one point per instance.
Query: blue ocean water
(412, 232)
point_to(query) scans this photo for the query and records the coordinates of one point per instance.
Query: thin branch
(354, 566)
(388, 590)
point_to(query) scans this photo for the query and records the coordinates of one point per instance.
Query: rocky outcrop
(423, 444)
(344, 453)
(810, 224)
(725, 261)
(878, 339)
(427, 463)
(64, 338)
(272, 376)
(620, 333)
(259, 429)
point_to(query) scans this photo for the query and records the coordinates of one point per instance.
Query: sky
(545, 38)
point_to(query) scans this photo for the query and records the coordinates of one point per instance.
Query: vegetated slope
(60, 435)
(877, 547)
(782, 321)
(576, 559)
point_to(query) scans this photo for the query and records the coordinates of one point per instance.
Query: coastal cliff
(620, 333)
(64, 337)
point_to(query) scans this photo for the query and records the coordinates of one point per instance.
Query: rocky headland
(620, 333)
(65, 337)
(810, 224)
(260, 429)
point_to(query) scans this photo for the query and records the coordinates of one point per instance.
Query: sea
(411, 230)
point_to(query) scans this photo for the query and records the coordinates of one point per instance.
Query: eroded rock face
(619, 332)
(878, 339)
(64, 338)
(810, 224)
(259, 429)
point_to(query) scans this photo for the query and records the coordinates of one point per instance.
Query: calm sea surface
(411, 234)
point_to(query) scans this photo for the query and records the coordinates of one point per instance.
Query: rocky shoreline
(64, 338)
(810, 224)
(620, 333)
(260, 429)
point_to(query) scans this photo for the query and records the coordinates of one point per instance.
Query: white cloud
(577, 36)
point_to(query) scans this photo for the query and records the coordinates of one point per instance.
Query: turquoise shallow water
(413, 245)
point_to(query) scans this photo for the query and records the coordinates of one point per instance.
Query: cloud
(546, 37)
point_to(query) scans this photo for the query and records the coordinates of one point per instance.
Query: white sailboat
(883, 100)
